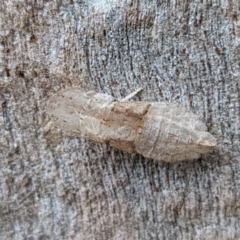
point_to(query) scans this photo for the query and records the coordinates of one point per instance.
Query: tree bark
(53, 186)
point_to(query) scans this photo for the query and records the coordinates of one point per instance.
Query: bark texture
(57, 187)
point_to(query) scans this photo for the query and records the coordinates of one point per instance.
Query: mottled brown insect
(162, 131)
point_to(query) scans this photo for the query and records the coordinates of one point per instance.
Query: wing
(91, 115)
(63, 107)
(66, 106)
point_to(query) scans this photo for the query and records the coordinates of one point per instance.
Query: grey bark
(56, 187)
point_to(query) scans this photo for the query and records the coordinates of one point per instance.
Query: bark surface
(53, 186)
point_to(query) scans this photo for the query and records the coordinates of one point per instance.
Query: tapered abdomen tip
(207, 140)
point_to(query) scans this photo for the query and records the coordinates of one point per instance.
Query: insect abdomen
(164, 136)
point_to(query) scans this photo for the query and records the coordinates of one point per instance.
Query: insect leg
(131, 95)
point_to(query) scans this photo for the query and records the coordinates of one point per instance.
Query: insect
(161, 131)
